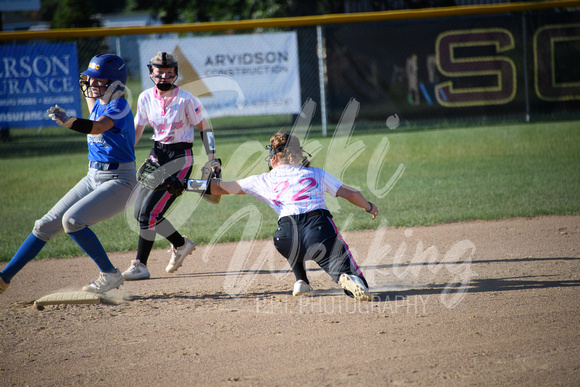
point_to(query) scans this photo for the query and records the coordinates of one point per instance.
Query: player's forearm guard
(208, 141)
(82, 125)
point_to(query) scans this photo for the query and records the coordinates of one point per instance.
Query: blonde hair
(287, 147)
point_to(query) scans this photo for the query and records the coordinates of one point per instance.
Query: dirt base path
(479, 303)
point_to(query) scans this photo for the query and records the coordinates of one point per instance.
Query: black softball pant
(314, 236)
(151, 206)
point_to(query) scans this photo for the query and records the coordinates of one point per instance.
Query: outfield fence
(468, 65)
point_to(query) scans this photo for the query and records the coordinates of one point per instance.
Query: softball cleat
(105, 282)
(355, 286)
(137, 271)
(178, 255)
(301, 288)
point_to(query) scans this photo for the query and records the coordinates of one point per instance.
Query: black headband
(281, 148)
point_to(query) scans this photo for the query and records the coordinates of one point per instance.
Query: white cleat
(178, 255)
(356, 286)
(301, 288)
(137, 271)
(105, 282)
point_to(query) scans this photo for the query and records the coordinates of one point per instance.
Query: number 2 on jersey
(307, 183)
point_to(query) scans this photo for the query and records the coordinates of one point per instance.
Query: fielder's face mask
(272, 152)
(162, 82)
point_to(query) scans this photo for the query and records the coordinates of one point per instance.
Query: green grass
(449, 176)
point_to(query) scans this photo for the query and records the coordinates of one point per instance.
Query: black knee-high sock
(176, 239)
(299, 270)
(166, 230)
(146, 240)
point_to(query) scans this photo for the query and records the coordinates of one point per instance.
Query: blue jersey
(116, 145)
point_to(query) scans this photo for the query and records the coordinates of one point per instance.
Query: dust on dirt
(477, 303)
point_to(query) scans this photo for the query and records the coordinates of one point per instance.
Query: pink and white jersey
(292, 189)
(173, 120)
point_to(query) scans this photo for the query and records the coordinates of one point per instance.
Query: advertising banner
(237, 75)
(478, 67)
(19, 5)
(35, 77)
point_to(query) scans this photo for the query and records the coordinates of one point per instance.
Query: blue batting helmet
(104, 66)
(107, 66)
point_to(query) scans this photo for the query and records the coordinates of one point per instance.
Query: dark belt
(319, 212)
(174, 147)
(104, 166)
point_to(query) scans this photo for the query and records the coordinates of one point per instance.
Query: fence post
(526, 77)
(118, 45)
(321, 77)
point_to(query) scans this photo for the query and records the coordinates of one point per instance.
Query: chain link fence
(469, 70)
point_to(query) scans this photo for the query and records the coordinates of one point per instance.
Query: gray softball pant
(100, 195)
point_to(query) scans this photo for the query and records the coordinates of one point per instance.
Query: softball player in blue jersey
(105, 190)
(306, 230)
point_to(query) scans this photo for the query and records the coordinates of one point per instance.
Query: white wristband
(196, 185)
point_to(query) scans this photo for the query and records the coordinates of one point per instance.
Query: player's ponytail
(287, 147)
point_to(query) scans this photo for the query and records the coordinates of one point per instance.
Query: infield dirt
(477, 303)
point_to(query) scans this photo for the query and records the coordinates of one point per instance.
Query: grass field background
(447, 175)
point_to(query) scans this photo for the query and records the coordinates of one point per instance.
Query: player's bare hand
(58, 114)
(374, 210)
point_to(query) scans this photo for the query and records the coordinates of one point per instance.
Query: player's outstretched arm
(80, 125)
(355, 197)
(220, 187)
(102, 124)
(226, 188)
(213, 187)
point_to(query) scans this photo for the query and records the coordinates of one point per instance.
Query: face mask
(271, 153)
(164, 86)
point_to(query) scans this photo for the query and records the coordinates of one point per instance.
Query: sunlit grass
(443, 176)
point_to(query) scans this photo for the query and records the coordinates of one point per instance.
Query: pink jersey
(174, 120)
(292, 189)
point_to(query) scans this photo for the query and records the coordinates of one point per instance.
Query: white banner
(239, 75)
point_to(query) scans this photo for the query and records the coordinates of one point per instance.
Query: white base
(75, 297)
